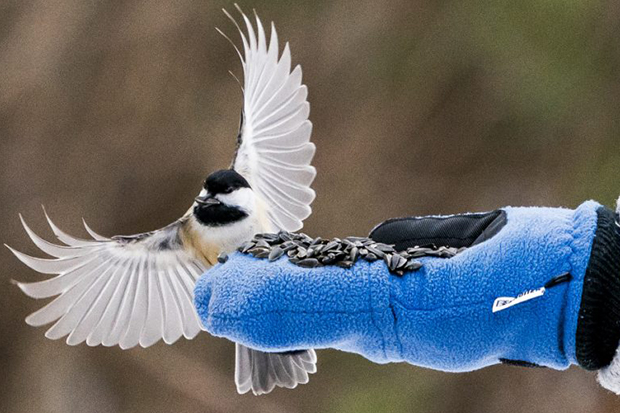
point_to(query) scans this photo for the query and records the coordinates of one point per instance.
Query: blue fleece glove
(440, 316)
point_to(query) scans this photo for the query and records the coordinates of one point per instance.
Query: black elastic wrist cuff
(598, 327)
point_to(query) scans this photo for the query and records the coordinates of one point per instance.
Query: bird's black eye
(227, 191)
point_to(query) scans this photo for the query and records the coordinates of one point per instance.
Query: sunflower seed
(339, 254)
(275, 253)
(262, 243)
(330, 245)
(353, 254)
(385, 248)
(413, 265)
(222, 258)
(401, 261)
(395, 261)
(309, 263)
(310, 252)
(387, 258)
(375, 251)
(268, 237)
(257, 250)
(288, 245)
(345, 264)
(314, 250)
(326, 260)
(246, 246)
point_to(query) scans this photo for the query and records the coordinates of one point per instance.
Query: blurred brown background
(116, 110)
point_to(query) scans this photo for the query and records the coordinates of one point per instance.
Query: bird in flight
(138, 289)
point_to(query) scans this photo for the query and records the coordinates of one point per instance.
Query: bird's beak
(207, 200)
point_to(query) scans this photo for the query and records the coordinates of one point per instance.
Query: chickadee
(135, 290)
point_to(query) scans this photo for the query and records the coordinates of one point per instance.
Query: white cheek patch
(242, 198)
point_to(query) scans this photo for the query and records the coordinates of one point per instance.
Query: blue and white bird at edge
(138, 289)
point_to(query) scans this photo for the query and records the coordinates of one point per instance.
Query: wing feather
(57, 308)
(93, 233)
(112, 308)
(118, 328)
(91, 317)
(274, 151)
(261, 372)
(115, 291)
(153, 324)
(48, 266)
(191, 324)
(173, 315)
(66, 238)
(47, 247)
(139, 309)
(77, 309)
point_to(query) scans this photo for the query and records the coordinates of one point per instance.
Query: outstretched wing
(274, 149)
(261, 372)
(125, 290)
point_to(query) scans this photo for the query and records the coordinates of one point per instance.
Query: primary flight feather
(138, 289)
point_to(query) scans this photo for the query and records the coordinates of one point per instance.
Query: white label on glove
(502, 303)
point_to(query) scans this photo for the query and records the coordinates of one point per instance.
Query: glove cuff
(598, 328)
(599, 314)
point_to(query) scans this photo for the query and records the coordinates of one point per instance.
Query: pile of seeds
(310, 252)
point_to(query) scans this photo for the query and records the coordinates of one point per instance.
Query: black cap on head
(225, 181)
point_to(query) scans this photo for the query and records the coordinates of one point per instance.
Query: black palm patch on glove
(456, 231)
